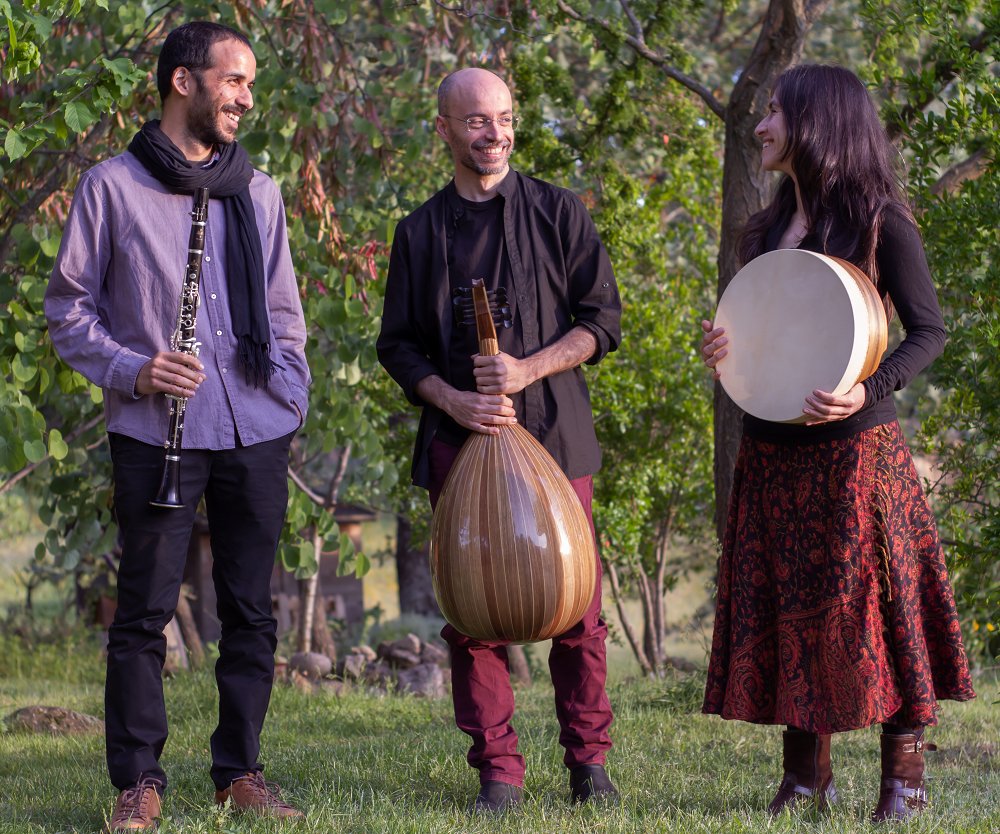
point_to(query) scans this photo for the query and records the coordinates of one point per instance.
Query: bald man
(536, 250)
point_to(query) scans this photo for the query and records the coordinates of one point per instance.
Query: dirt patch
(54, 720)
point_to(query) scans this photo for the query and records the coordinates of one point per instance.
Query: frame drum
(798, 321)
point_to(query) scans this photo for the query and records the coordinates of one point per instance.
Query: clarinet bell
(169, 495)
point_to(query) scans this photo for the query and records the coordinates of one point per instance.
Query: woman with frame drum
(835, 611)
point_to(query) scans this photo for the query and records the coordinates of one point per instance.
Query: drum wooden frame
(798, 321)
(512, 555)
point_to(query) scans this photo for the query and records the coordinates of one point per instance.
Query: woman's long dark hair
(847, 169)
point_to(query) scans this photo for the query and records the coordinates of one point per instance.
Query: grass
(364, 764)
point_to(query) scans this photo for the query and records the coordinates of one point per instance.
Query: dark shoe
(252, 795)
(497, 797)
(137, 809)
(902, 795)
(591, 782)
(808, 776)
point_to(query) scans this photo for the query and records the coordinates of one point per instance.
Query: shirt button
(213, 295)
(605, 285)
(207, 258)
(218, 332)
(225, 370)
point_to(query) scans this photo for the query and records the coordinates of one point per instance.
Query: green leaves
(350, 561)
(34, 450)
(255, 142)
(14, 145)
(78, 116)
(306, 563)
(935, 61)
(57, 446)
(12, 457)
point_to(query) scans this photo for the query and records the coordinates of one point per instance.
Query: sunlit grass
(361, 764)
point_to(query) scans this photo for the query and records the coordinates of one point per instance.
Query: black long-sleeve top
(904, 276)
(561, 277)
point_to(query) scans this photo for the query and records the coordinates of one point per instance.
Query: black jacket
(561, 276)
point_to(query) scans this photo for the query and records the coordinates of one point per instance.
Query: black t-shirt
(904, 276)
(477, 250)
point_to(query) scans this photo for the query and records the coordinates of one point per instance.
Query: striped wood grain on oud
(512, 555)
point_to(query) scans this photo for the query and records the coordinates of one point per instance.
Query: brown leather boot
(137, 809)
(902, 795)
(808, 776)
(253, 795)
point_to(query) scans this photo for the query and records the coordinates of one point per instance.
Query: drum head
(792, 318)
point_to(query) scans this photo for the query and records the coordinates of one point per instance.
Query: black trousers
(246, 493)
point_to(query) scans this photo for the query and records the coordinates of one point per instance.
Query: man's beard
(464, 156)
(203, 121)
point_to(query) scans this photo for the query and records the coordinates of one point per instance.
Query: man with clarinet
(554, 300)
(195, 334)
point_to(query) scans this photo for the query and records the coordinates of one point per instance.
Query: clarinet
(183, 341)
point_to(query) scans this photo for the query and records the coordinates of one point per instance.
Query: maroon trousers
(480, 676)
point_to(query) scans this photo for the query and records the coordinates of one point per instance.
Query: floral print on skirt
(834, 606)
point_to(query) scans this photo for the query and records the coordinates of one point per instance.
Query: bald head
(472, 87)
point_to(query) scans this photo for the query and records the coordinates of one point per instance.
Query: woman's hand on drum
(826, 408)
(713, 349)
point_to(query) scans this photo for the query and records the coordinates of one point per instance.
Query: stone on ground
(424, 680)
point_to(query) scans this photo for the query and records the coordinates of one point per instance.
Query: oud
(511, 551)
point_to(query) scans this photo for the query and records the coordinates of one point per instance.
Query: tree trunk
(413, 573)
(627, 627)
(309, 589)
(189, 631)
(322, 639)
(307, 598)
(518, 662)
(745, 190)
(177, 658)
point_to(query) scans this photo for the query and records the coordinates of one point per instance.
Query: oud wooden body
(512, 556)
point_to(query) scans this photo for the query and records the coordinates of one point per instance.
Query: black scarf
(227, 180)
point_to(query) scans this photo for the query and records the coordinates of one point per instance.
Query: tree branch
(331, 492)
(970, 168)
(73, 435)
(338, 475)
(315, 497)
(11, 196)
(636, 25)
(627, 626)
(639, 46)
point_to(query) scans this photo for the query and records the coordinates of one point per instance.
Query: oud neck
(487, 333)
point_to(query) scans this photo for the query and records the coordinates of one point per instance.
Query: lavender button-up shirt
(112, 303)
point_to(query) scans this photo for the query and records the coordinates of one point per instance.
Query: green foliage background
(343, 116)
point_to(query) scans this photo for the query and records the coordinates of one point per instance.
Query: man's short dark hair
(190, 46)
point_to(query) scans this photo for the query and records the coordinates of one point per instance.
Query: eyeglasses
(478, 122)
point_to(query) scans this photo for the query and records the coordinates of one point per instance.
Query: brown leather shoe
(808, 776)
(903, 794)
(137, 809)
(253, 795)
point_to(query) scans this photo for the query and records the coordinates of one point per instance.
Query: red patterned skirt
(834, 606)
